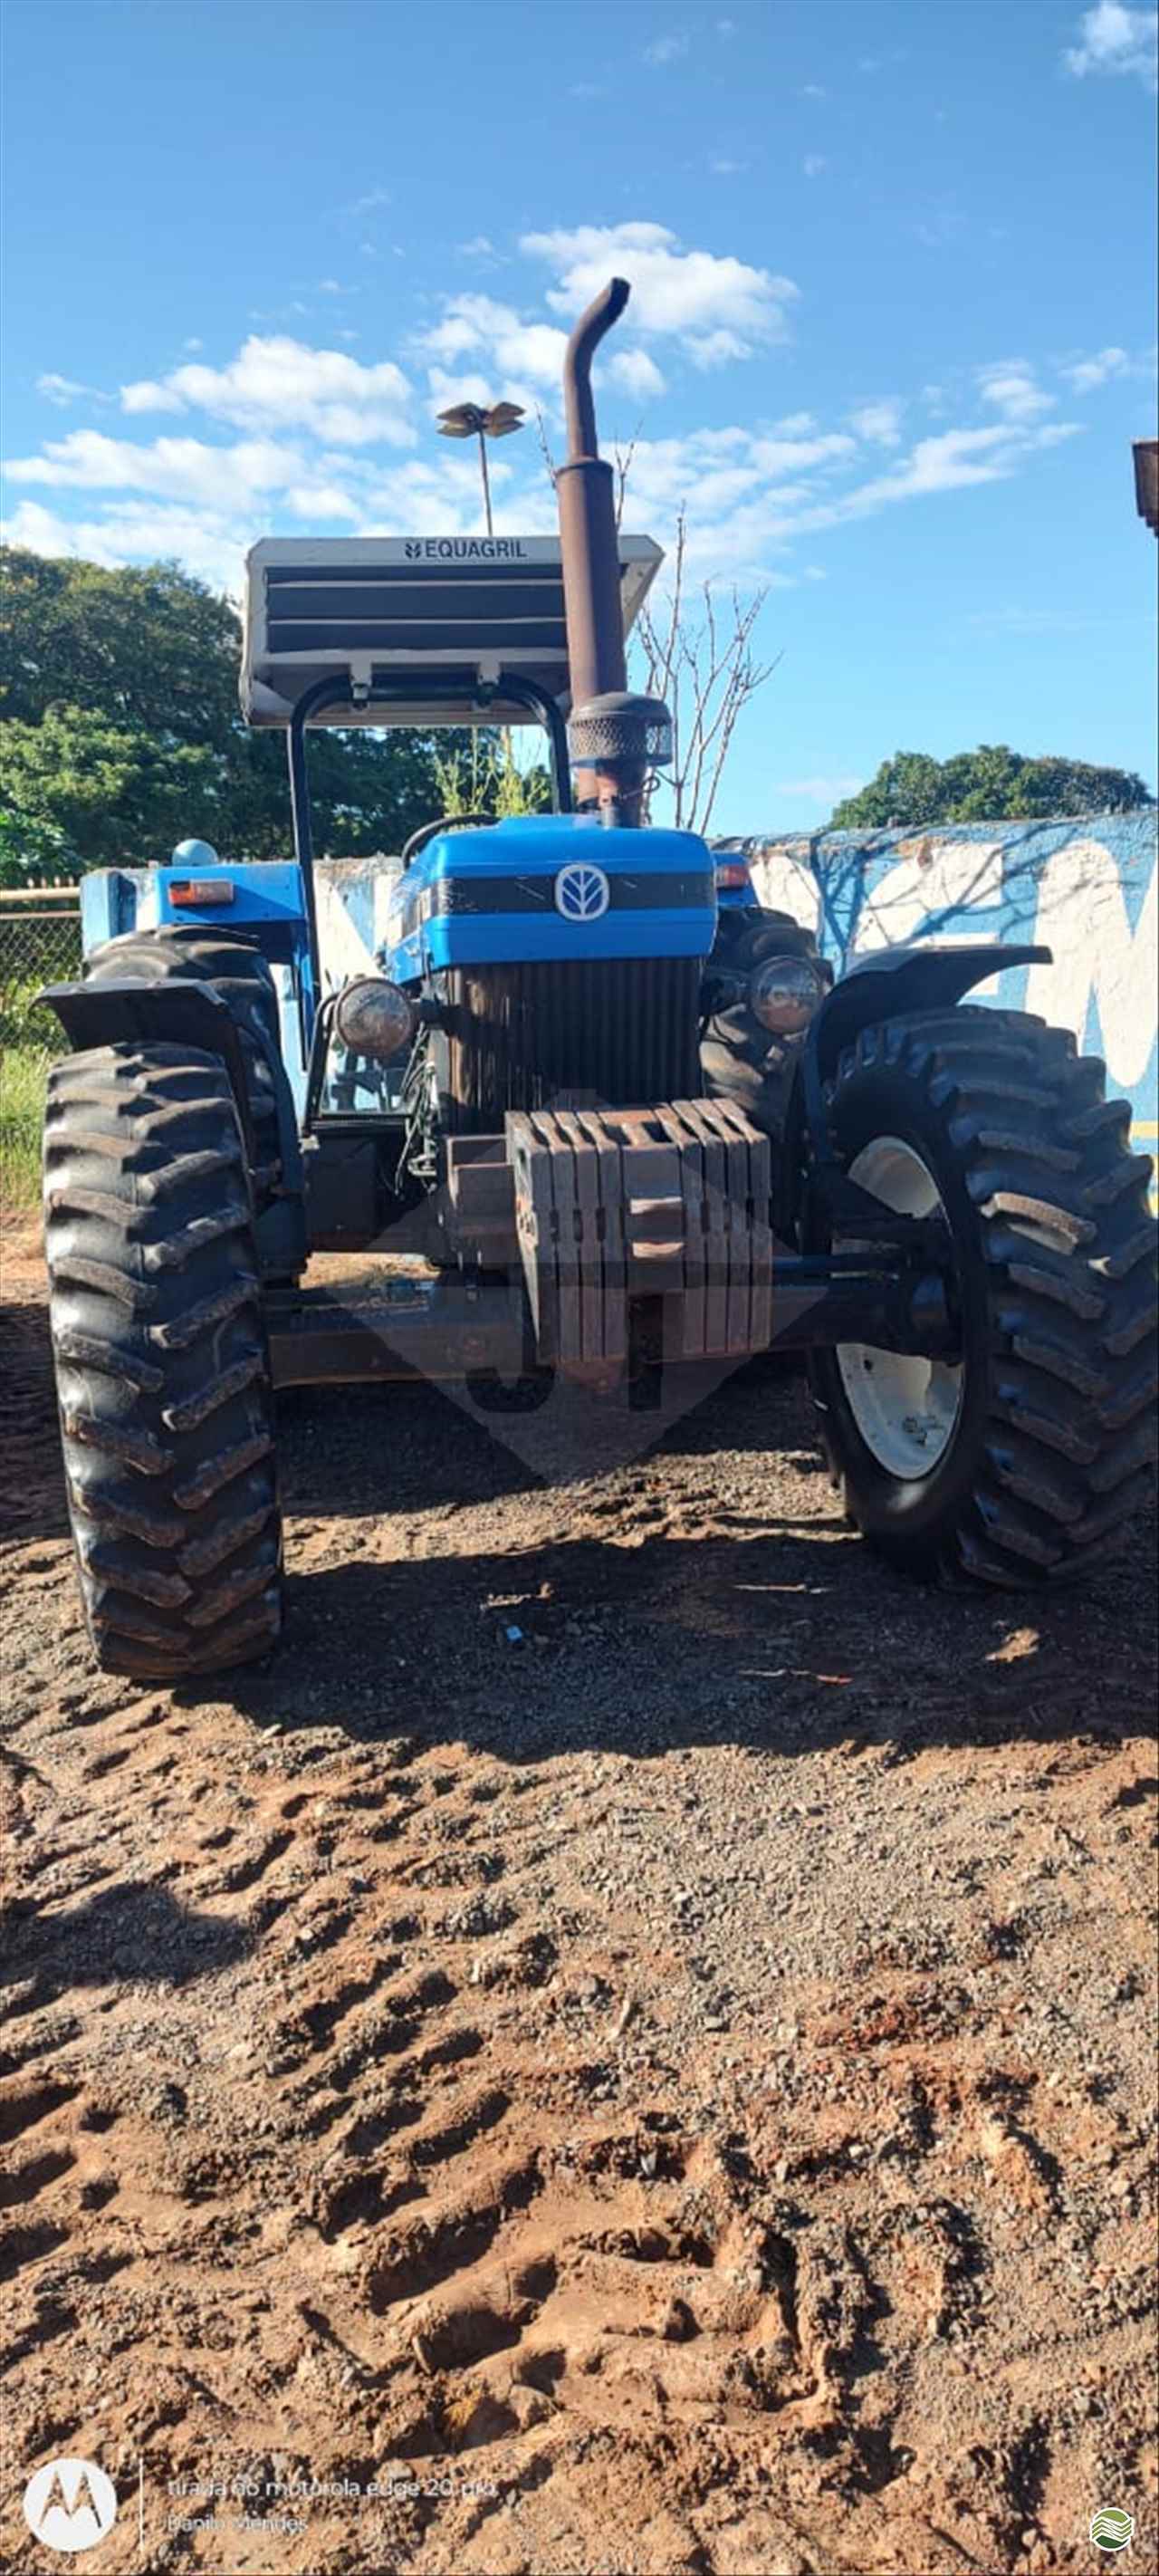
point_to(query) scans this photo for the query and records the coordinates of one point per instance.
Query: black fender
(96, 1015)
(919, 975)
(193, 1014)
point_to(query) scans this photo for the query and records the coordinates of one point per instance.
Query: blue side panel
(493, 897)
(267, 895)
(266, 905)
(109, 901)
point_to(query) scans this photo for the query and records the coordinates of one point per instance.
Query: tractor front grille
(622, 1031)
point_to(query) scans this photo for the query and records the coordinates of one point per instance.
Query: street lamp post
(472, 420)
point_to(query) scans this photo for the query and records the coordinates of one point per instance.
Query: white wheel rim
(905, 1408)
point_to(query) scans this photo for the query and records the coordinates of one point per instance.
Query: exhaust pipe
(614, 738)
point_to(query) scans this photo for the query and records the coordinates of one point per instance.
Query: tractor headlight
(373, 1017)
(784, 993)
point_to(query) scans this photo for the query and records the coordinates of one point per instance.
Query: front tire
(1021, 1464)
(162, 1367)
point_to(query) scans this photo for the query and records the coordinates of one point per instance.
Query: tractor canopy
(462, 610)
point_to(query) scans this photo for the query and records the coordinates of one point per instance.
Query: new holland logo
(70, 2504)
(582, 893)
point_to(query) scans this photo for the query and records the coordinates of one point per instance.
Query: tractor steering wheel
(445, 823)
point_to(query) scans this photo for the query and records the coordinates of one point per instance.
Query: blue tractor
(626, 1126)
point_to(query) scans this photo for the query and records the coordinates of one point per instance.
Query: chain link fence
(40, 943)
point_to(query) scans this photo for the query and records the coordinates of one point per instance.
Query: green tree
(123, 732)
(105, 787)
(33, 853)
(990, 785)
(149, 647)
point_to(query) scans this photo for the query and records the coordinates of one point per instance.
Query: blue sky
(891, 336)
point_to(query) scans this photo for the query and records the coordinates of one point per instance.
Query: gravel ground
(629, 2046)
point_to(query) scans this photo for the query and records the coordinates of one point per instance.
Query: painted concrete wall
(1088, 890)
(353, 896)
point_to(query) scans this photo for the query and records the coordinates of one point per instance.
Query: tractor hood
(550, 886)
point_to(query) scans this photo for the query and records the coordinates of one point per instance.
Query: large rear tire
(162, 1366)
(1017, 1463)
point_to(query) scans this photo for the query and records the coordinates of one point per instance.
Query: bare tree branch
(622, 464)
(702, 665)
(545, 445)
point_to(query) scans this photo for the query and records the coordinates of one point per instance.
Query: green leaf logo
(1111, 2528)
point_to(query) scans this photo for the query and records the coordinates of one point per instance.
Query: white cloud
(879, 421)
(520, 355)
(280, 383)
(443, 498)
(208, 544)
(776, 457)
(211, 537)
(184, 469)
(666, 49)
(479, 247)
(446, 388)
(717, 348)
(31, 525)
(813, 164)
(146, 395)
(637, 373)
(63, 390)
(1087, 374)
(1010, 388)
(723, 168)
(314, 430)
(318, 501)
(743, 506)
(955, 459)
(721, 307)
(1113, 38)
(941, 464)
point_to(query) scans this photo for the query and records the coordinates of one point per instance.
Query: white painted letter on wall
(1098, 958)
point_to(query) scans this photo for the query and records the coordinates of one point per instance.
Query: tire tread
(1069, 1264)
(163, 1375)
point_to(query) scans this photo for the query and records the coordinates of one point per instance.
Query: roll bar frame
(398, 689)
